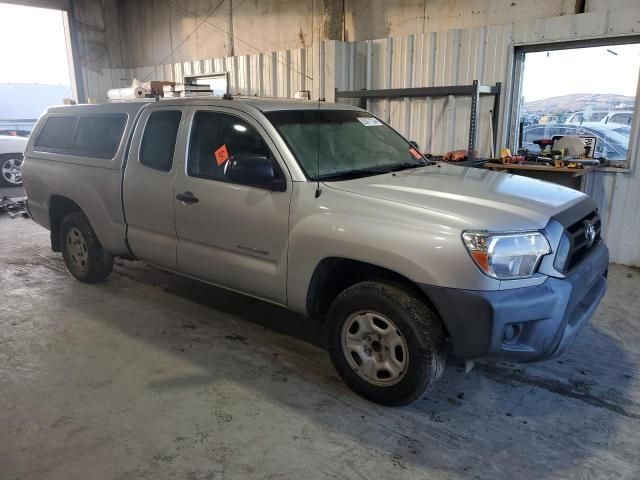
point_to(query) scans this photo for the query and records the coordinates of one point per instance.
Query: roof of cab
(239, 102)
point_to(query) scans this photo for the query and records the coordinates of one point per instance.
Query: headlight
(507, 255)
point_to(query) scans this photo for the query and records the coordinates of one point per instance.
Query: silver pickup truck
(327, 211)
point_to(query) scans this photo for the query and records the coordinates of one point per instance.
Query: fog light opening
(511, 333)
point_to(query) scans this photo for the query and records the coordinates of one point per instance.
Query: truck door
(148, 186)
(232, 235)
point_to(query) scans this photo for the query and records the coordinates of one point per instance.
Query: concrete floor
(153, 376)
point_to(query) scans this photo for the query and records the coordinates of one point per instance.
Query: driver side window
(217, 137)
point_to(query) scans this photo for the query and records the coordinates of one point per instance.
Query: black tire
(83, 254)
(4, 165)
(414, 322)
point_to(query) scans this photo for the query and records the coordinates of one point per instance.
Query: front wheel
(83, 254)
(385, 343)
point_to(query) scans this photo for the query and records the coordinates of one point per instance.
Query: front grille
(578, 246)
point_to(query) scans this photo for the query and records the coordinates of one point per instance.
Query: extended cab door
(148, 186)
(229, 234)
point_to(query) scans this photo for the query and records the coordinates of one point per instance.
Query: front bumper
(523, 324)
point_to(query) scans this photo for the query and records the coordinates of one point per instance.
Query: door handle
(187, 198)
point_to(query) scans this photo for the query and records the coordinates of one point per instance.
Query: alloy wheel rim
(375, 348)
(77, 249)
(12, 170)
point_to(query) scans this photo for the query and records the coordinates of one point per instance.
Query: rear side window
(98, 136)
(57, 133)
(623, 118)
(92, 136)
(159, 140)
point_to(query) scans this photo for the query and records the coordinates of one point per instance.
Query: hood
(491, 200)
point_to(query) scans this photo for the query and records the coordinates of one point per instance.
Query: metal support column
(473, 122)
(496, 117)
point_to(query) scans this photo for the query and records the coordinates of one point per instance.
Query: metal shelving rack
(475, 91)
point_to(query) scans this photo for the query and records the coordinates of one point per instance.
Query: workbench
(568, 177)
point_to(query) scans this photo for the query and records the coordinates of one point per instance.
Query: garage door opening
(589, 91)
(35, 65)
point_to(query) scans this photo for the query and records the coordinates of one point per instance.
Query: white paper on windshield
(369, 121)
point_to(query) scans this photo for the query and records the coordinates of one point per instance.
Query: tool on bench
(454, 156)
(543, 143)
(507, 158)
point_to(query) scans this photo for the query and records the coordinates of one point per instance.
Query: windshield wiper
(405, 166)
(350, 174)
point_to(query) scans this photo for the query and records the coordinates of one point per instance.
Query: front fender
(421, 245)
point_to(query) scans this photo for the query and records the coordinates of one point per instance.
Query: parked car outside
(587, 116)
(529, 119)
(327, 211)
(619, 128)
(11, 151)
(622, 117)
(548, 119)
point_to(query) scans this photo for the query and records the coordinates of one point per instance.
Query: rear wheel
(82, 252)
(385, 343)
(11, 170)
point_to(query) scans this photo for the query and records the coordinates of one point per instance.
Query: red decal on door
(415, 153)
(221, 155)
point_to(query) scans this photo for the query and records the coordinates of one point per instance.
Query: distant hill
(579, 101)
(29, 100)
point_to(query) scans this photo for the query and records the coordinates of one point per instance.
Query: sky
(33, 46)
(581, 70)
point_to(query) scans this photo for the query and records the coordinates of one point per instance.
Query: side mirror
(255, 171)
(415, 144)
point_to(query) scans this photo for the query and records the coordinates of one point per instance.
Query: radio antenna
(320, 83)
(318, 190)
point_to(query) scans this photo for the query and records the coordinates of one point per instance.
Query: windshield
(347, 143)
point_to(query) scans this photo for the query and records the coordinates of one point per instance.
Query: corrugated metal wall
(273, 74)
(454, 57)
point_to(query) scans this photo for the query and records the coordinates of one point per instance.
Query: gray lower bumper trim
(523, 324)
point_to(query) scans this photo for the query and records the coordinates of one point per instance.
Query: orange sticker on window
(415, 153)
(221, 155)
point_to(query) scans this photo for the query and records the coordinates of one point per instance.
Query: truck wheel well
(59, 207)
(334, 275)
